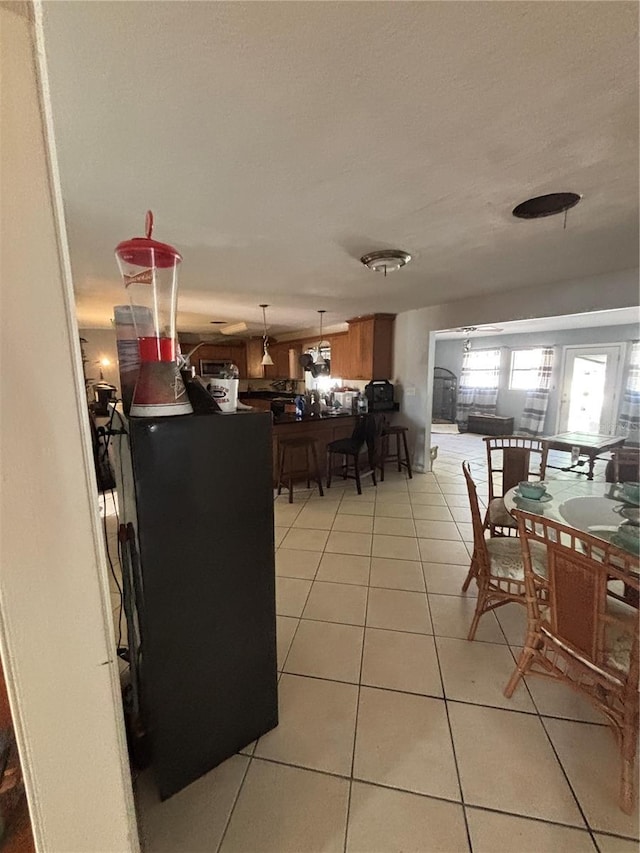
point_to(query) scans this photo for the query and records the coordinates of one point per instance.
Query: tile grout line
(568, 781)
(355, 728)
(286, 657)
(586, 826)
(453, 746)
(235, 801)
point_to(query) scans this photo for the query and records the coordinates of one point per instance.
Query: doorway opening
(591, 381)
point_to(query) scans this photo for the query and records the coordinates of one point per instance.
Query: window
(480, 369)
(525, 369)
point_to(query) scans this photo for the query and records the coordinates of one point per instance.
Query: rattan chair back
(480, 553)
(626, 465)
(574, 626)
(511, 459)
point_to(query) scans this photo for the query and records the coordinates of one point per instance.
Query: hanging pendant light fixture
(319, 359)
(267, 361)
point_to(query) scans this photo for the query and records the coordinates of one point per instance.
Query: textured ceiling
(277, 142)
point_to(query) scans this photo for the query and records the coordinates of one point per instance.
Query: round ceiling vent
(386, 261)
(546, 205)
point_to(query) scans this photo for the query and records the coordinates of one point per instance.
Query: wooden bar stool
(286, 471)
(402, 449)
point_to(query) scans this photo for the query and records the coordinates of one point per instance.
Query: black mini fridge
(204, 506)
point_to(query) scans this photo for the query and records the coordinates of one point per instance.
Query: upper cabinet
(340, 355)
(219, 352)
(280, 367)
(370, 344)
(285, 360)
(255, 370)
(364, 352)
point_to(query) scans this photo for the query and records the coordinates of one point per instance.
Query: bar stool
(285, 446)
(368, 430)
(400, 433)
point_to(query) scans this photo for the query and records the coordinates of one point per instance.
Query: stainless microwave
(208, 367)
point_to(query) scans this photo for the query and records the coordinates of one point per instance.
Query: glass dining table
(592, 507)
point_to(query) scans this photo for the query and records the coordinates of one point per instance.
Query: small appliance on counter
(345, 399)
(150, 274)
(379, 393)
(104, 393)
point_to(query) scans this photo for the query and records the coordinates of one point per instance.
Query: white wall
(413, 342)
(448, 353)
(55, 628)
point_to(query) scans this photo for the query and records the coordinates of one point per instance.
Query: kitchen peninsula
(323, 428)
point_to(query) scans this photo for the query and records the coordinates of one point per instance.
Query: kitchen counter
(322, 428)
(266, 395)
(289, 418)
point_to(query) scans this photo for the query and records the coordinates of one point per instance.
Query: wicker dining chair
(510, 459)
(624, 466)
(577, 634)
(496, 564)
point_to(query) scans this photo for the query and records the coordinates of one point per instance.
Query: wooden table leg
(406, 455)
(317, 469)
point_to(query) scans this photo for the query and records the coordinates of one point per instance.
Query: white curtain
(478, 388)
(535, 407)
(629, 420)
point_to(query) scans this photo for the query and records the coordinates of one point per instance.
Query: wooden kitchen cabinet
(255, 370)
(371, 347)
(340, 356)
(221, 352)
(280, 367)
(240, 358)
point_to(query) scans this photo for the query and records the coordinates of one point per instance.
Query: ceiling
(278, 142)
(591, 320)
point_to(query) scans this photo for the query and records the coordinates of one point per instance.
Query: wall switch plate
(410, 391)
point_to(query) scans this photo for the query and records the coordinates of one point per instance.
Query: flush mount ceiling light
(267, 361)
(388, 260)
(319, 359)
(546, 205)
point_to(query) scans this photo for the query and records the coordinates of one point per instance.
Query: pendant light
(319, 359)
(267, 361)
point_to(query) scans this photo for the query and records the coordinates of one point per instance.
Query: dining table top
(592, 507)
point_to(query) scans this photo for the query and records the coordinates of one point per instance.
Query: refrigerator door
(205, 528)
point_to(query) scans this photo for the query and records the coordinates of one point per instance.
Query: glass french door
(590, 389)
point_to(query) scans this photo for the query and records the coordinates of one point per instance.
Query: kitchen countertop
(267, 395)
(307, 419)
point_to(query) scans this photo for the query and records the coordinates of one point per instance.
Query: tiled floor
(394, 733)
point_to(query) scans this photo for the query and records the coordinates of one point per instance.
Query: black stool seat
(345, 445)
(400, 432)
(285, 446)
(367, 431)
(394, 429)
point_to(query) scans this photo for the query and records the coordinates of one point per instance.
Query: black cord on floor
(113, 571)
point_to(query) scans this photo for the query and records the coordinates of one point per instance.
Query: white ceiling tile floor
(394, 731)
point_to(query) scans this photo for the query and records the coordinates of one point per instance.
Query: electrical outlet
(410, 391)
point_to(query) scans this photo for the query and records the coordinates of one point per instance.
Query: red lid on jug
(145, 252)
